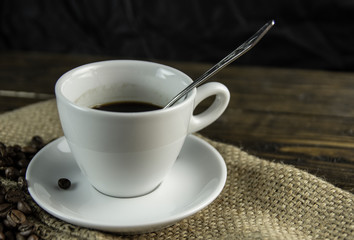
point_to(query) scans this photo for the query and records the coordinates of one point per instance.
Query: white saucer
(196, 179)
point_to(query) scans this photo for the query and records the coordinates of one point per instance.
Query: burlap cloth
(261, 199)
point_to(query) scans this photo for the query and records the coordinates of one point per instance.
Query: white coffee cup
(129, 154)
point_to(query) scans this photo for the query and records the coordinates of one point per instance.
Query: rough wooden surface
(300, 117)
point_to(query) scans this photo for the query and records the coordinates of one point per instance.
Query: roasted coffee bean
(16, 217)
(24, 207)
(4, 209)
(20, 237)
(14, 196)
(37, 142)
(2, 162)
(9, 224)
(64, 183)
(10, 236)
(12, 173)
(37, 139)
(23, 172)
(33, 237)
(8, 161)
(20, 156)
(23, 163)
(17, 148)
(26, 229)
(10, 152)
(29, 150)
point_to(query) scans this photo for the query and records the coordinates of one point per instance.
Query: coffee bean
(23, 171)
(14, 196)
(20, 156)
(23, 163)
(4, 209)
(37, 142)
(24, 207)
(64, 183)
(9, 235)
(10, 152)
(33, 237)
(29, 150)
(20, 237)
(12, 173)
(17, 148)
(26, 229)
(2, 162)
(9, 224)
(37, 139)
(16, 216)
(8, 161)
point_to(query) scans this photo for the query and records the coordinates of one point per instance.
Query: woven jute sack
(261, 199)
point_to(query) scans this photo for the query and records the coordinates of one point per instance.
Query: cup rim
(60, 96)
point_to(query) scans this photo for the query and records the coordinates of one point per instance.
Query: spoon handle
(238, 52)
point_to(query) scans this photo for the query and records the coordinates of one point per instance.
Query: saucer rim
(139, 227)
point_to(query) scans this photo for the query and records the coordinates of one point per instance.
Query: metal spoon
(242, 49)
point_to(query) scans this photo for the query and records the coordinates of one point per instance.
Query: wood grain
(300, 117)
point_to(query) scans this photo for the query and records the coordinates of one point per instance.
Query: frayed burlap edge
(261, 199)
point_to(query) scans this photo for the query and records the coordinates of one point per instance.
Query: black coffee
(127, 106)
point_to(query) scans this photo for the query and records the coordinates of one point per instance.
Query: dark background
(308, 34)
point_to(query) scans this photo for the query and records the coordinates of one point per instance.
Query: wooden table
(300, 117)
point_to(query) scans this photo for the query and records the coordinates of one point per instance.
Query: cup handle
(213, 112)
